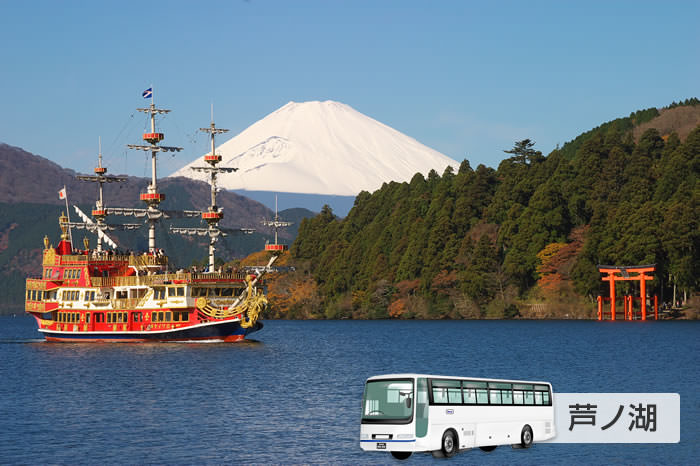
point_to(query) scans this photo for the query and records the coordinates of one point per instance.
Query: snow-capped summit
(320, 148)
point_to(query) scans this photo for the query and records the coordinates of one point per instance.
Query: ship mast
(277, 223)
(152, 197)
(100, 212)
(214, 213)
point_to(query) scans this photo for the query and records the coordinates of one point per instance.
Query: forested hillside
(523, 239)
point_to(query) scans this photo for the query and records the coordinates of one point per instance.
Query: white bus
(406, 413)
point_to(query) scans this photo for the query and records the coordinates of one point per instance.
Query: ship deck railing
(134, 260)
(168, 278)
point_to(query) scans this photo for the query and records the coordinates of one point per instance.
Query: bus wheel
(401, 455)
(526, 437)
(449, 444)
(488, 448)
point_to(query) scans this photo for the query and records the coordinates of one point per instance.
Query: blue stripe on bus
(383, 441)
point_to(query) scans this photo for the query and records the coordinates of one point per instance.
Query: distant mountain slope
(321, 148)
(25, 177)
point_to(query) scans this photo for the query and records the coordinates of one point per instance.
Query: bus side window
(529, 397)
(447, 391)
(469, 395)
(500, 393)
(507, 397)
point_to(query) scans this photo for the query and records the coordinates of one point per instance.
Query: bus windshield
(388, 401)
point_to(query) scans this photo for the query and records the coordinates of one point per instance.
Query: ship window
(227, 292)
(168, 316)
(87, 317)
(77, 275)
(180, 291)
(171, 291)
(160, 316)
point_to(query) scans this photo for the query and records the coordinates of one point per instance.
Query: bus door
(421, 407)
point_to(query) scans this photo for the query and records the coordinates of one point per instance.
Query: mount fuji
(325, 148)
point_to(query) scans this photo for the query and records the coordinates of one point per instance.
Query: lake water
(293, 396)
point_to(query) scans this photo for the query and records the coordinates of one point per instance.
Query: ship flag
(148, 93)
(62, 193)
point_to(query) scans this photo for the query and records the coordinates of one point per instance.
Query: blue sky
(466, 78)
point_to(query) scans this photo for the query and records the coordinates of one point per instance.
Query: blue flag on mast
(148, 93)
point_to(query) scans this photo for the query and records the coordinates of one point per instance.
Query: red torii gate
(622, 273)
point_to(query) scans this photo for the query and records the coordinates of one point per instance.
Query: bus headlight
(404, 436)
(364, 436)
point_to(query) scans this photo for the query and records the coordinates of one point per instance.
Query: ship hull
(227, 331)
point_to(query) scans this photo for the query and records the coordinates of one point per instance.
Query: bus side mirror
(408, 403)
